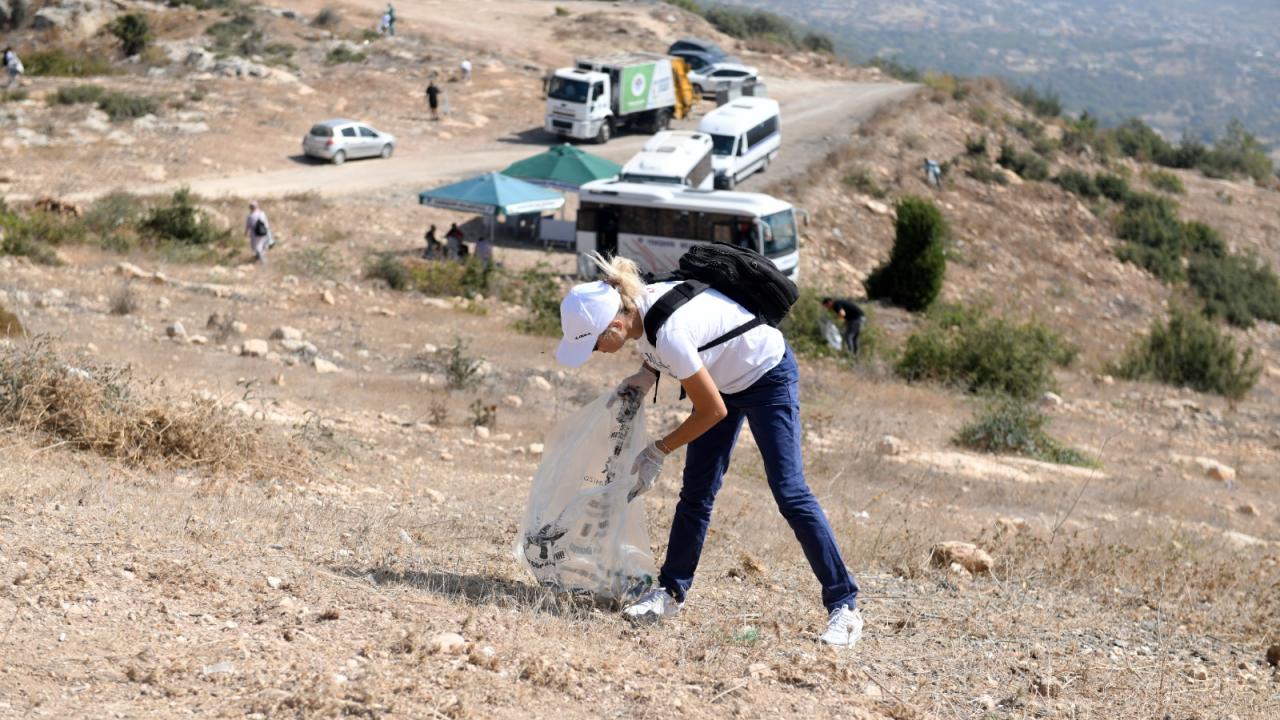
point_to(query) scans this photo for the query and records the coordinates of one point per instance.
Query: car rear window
(322, 131)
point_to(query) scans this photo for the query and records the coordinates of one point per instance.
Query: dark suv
(698, 53)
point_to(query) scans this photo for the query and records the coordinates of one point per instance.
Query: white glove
(647, 466)
(642, 381)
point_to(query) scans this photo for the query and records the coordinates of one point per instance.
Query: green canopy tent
(563, 167)
(492, 194)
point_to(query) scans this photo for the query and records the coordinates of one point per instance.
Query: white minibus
(673, 157)
(745, 135)
(655, 224)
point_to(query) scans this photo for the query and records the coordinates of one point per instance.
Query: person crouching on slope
(751, 377)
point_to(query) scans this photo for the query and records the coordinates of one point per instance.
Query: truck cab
(579, 104)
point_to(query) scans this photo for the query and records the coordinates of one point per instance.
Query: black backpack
(260, 228)
(744, 276)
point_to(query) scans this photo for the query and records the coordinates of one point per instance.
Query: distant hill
(1181, 65)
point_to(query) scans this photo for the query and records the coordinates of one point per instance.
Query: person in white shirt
(258, 231)
(751, 377)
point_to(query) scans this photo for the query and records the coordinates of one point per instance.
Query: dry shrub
(101, 409)
(10, 326)
(125, 301)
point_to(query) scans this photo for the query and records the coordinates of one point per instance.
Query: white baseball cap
(585, 313)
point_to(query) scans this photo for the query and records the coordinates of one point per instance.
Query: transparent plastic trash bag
(579, 533)
(831, 333)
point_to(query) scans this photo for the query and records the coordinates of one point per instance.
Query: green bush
(133, 31)
(1137, 140)
(57, 62)
(1112, 187)
(983, 171)
(113, 219)
(1044, 103)
(1012, 427)
(1237, 153)
(803, 326)
(328, 17)
(1029, 166)
(1080, 183)
(1190, 351)
(962, 346)
(35, 234)
(388, 268)
(13, 95)
(976, 146)
(1165, 181)
(1155, 238)
(859, 178)
(123, 106)
(342, 54)
(689, 5)
(897, 70)
(1239, 289)
(180, 222)
(538, 291)
(746, 24)
(78, 94)
(818, 42)
(912, 278)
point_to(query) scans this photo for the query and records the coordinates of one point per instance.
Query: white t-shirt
(735, 365)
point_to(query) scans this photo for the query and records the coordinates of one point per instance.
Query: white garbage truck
(598, 97)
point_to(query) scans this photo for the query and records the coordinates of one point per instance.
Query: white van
(745, 135)
(673, 157)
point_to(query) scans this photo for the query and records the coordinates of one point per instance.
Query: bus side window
(723, 232)
(588, 219)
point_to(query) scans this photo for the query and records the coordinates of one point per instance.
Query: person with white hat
(751, 377)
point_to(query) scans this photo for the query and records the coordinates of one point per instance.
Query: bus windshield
(722, 144)
(568, 89)
(782, 233)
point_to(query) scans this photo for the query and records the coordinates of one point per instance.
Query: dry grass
(10, 326)
(102, 409)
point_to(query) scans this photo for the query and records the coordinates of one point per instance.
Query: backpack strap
(671, 300)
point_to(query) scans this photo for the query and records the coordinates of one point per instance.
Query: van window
(722, 144)
(758, 133)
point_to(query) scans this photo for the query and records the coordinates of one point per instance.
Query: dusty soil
(322, 586)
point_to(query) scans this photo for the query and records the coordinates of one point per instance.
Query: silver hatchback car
(340, 140)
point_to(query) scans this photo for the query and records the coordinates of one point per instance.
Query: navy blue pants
(772, 407)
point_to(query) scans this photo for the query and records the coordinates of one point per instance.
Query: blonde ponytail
(624, 275)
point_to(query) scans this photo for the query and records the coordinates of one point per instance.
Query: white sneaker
(844, 627)
(653, 607)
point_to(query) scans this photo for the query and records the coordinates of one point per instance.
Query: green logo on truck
(636, 84)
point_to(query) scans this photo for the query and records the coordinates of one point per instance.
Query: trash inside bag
(580, 534)
(831, 333)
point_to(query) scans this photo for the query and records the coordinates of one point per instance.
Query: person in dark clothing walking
(853, 318)
(433, 99)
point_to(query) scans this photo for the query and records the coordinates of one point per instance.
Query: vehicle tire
(606, 132)
(765, 165)
(388, 149)
(730, 182)
(662, 121)
(697, 92)
(339, 157)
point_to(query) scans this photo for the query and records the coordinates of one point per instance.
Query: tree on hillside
(913, 276)
(133, 31)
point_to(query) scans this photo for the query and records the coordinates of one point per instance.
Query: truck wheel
(339, 157)
(730, 182)
(605, 133)
(662, 121)
(697, 92)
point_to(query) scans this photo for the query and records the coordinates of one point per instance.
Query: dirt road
(817, 115)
